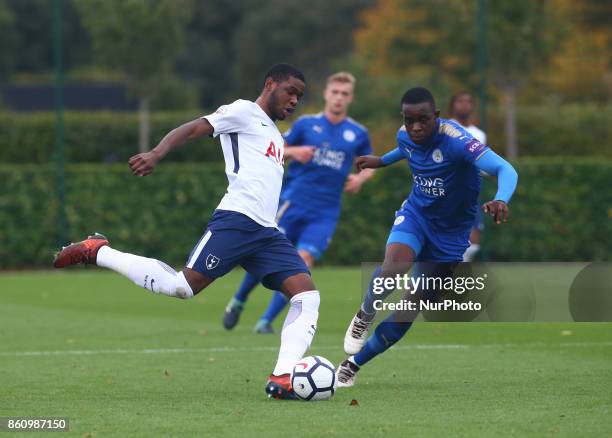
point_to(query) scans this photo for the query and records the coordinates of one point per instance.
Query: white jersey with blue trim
(253, 149)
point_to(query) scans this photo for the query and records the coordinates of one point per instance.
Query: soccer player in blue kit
(311, 198)
(434, 223)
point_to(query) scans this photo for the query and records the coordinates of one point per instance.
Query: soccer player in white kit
(242, 230)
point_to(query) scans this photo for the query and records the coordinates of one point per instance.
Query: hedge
(562, 211)
(92, 137)
(107, 137)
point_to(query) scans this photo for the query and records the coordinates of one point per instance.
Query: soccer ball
(314, 378)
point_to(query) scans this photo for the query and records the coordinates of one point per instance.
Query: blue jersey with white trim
(318, 184)
(446, 182)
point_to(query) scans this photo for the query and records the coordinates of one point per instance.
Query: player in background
(242, 230)
(461, 109)
(433, 224)
(312, 190)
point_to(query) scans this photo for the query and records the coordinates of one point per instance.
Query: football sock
(298, 330)
(276, 306)
(151, 274)
(386, 334)
(471, 252)
(367, 307)
(248, 284)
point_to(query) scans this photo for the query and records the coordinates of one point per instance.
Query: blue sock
(276, 306)
(386, 334)
(368, 302)
(248, 284)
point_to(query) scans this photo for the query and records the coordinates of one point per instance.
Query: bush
(562, 211)
(93, 137)
(113, 137)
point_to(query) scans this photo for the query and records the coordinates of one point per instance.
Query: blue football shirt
(446, 183)
(318, 184)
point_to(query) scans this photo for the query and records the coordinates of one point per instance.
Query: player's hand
(368, 162)
(143, 164)
(303, 154)
(497, 209)
(353, 184)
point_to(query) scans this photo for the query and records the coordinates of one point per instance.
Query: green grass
(104, 369)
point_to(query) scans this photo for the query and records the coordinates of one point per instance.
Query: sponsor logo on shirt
(327, 157)
(432, 186)
(474, 147)
(275, 153)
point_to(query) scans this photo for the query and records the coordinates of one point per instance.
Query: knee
(182, 289)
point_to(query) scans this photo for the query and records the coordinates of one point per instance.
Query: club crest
(212, 261)
(437, 156)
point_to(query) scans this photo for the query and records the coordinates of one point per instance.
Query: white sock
(471, 252)
(298, 330)
(151, 274)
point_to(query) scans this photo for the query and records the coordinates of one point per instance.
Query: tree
(434, 43)
(142, 38)
(522, 37)
(308, 34)
(8, 40)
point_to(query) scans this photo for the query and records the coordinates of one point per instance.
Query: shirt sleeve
(231, 118)
(507, 177)
(392, 156)
(293, 136)
(467, 148)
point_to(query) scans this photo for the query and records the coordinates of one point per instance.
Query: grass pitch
(120, 361)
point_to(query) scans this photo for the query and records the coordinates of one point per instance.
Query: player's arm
(143, 164)
(375, 162)
(507, 178)
(303, 154)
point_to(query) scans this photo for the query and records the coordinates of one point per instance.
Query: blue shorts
(233, 239)
(411, 228)
(308, 230)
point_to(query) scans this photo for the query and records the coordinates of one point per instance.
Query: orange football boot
(84, 252)
(279, 387)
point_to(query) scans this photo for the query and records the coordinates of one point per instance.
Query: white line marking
(275, 348)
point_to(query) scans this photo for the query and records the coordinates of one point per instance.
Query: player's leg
(403, 246)
(297, 333)
(311, 242)
(279, 300)
(288, 220)
(445, 250)
(236, 305)
(281, 268)
(154, 275)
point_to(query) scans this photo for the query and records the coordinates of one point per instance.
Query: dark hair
(282, 72)
(456, 96)
(418, 95)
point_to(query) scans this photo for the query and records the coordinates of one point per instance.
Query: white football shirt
(253, 149)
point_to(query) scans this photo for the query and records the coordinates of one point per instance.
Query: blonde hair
(342, 76)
